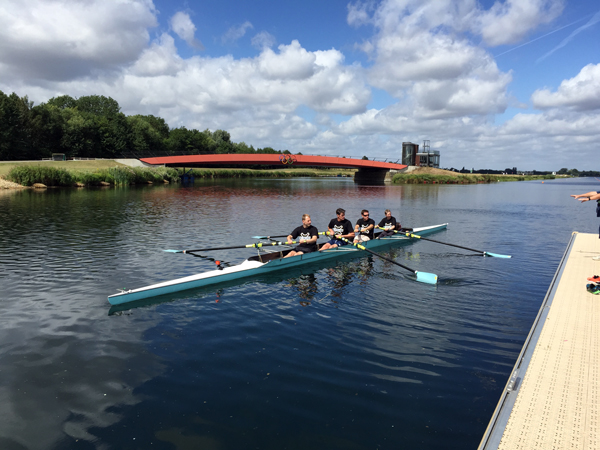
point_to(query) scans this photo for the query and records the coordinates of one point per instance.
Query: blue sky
(492, 84)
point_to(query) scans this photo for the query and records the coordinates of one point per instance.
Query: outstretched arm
(588, 195)
(592, 197)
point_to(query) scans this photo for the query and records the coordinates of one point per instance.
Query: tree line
(94, 127)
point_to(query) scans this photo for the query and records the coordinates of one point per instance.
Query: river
(348, 355)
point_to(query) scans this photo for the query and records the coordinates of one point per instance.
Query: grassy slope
(434, 171)
(75, 165)
(105, 163)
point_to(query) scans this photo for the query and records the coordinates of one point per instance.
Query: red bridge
(367, 170)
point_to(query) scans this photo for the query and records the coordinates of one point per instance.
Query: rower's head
(388, 213)
(306, 220)
(365, 214)
(341, 213)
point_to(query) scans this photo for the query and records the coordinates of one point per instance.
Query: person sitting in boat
(339, 227)
(388, 224)
(307, 234)
(363, 230)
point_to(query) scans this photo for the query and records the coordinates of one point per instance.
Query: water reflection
(343, 354)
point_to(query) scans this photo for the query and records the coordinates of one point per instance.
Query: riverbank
(22, 174)
(431, 175)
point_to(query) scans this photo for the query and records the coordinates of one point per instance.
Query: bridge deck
(270, 159)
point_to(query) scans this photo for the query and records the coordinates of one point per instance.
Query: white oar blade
(173, 251)
(260, 237)
(429, 278)
(496, 255)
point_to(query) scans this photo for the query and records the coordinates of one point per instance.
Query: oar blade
(425, 277)
(173, 251)
(496, 255)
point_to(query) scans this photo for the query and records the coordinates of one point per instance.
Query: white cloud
(63, 39)
(292, 62)
(183, 26)
(263, 40)
(581, 93)
(237, 32)
(509, 21)
(441, 84)
(420, 57)
(160, 58)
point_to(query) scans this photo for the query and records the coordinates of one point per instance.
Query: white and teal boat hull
(258, 265)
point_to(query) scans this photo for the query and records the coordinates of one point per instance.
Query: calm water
(349, 355)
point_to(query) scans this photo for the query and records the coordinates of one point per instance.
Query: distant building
(411, 156)
(409, 153)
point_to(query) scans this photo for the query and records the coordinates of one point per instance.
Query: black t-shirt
(306, 233)
(391, 222)
(341, 227)
(362, 224)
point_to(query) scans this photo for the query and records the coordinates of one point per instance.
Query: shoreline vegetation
(111, 173)
(431, 175)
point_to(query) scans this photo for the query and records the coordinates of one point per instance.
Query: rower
(388, 224)
(339, 227)
(307, 234)
(364, 227)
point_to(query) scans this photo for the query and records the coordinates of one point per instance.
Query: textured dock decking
(552, 400)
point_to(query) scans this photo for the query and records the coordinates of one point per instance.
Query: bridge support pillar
(372, 176)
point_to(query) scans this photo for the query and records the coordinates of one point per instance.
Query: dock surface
(552, 398)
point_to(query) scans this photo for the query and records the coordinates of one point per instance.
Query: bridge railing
(151, 154)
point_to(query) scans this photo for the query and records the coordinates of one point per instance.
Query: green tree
(144, 138)
(267, 150)
(157, 123)
(62, 102)
(190, 142)
(223, 140)
(15, 127)
(563, 171)
(98, 105)
(47, 125)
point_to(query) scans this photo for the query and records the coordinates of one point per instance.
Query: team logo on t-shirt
(304, 235)
(338, 229)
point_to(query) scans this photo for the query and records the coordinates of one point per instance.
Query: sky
(490, 84)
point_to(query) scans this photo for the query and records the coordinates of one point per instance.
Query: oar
(495, 255)
(258, 245)
(423, 277)
(284, 235)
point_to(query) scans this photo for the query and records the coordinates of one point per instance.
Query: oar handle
(256, 245)
(283, 235)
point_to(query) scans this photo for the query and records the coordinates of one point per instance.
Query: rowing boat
(264, 262)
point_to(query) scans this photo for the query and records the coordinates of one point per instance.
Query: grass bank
(86, 166)
(451, 178)
(117, 176)
(107, 172)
